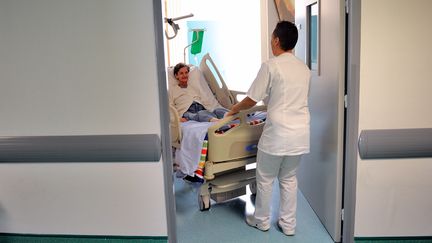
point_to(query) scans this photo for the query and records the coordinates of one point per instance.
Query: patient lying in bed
(190, 102)
(191, 155)
(193, 102)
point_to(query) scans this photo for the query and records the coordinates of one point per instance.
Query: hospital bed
(229, 150)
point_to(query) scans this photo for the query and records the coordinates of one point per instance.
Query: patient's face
(183, 75)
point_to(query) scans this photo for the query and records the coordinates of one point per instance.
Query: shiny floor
(224, 222)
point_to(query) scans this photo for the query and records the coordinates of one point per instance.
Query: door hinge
(346, 101)
(346, 6)
(342, 214)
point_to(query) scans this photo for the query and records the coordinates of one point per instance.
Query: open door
(322, 46)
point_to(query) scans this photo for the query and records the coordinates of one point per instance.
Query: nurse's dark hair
(287, 33)
(180, 66)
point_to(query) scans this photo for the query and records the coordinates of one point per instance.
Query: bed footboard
(237, 143)
(212, 168)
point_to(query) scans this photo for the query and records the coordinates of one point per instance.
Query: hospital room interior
(221, 49)
(231, 47)
(92, 150)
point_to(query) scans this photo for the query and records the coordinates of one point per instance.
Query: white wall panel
(81, 67)
(394, 195)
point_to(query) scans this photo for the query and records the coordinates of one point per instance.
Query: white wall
(234, 40)
(394, 196)
(77, 68)
(269, 19)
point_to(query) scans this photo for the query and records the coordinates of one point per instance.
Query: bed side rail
(239, 142)
(216, 82)
(175, 128)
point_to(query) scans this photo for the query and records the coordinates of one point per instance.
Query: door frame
(353, 25)
(164, 123)
(351, 128)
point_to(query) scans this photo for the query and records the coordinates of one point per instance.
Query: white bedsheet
(188, 156)
(193, 135)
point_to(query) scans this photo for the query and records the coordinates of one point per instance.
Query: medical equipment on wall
(175, 26)
(196, 44)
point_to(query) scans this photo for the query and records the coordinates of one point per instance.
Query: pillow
(194, 77)
(198, 83)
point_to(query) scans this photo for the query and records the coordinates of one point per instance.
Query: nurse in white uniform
(283, 82)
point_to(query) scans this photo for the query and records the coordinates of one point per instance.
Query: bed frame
(228, 153)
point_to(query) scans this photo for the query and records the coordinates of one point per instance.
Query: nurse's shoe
(193, 179)
(287, 232)
(251, 221)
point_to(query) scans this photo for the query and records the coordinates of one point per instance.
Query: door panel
(76, 79)
(320, 174)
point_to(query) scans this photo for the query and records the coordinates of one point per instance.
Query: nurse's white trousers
(270, 167)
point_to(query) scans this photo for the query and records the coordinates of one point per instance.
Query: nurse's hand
(229, 113)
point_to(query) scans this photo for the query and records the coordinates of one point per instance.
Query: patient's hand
(183, 119)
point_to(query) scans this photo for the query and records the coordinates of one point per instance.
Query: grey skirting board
(81, 148)
(395, 143)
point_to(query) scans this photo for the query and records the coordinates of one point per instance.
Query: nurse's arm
(245, 104)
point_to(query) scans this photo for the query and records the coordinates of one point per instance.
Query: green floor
(224, 222)
(10, 238)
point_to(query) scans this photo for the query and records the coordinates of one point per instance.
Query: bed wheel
(253, 187)
(204, 202)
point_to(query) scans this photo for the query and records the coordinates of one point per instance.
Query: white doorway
(232, 37)
(238, 48)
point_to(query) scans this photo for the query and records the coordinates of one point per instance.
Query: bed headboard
(216, 82)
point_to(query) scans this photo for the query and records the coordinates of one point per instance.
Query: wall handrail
(395, 143)
(81, 148)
